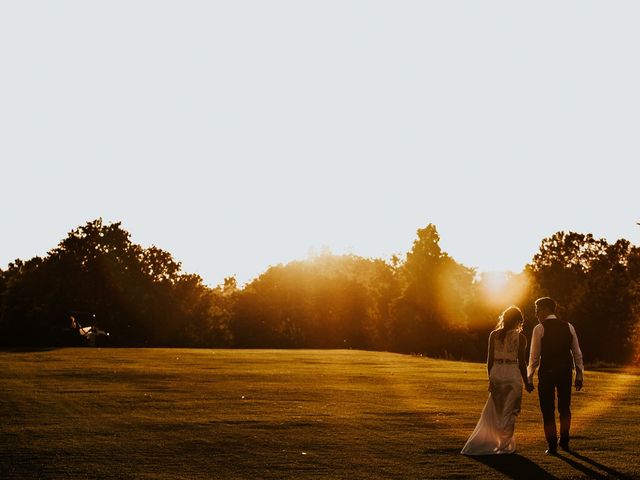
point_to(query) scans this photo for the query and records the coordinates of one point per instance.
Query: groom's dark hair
(546, 303)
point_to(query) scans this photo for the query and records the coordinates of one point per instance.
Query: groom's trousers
(551, 382)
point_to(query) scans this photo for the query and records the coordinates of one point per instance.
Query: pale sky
(242, 134)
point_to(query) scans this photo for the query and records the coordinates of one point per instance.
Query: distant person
(73, 335)
(555, 349)
(506, 366)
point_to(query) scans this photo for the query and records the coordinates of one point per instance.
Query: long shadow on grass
(516, 467)
(587, 470)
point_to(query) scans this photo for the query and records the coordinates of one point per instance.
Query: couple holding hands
(554, 352)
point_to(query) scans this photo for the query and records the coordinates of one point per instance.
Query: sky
(243, 134)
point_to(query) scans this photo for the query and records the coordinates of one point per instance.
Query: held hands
(578, 384)
(529, 387)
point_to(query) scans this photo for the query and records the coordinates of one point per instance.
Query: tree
(138, 294)
(327, 301)
(429, 315)
(595, 284)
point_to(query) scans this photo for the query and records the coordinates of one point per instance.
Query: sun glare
(503, 288)
(495, 283)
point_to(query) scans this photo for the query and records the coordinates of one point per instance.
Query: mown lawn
(298, 414)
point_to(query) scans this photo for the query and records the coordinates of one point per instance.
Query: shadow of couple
(518, 467)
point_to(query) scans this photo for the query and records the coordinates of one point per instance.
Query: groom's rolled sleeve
(534, 354)
(577, 353)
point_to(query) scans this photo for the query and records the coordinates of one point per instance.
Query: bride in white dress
(507, 369)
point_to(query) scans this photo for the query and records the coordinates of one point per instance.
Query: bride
(507, 369)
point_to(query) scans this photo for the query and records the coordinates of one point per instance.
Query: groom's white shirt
(536, 346)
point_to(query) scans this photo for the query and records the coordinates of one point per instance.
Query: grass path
(298, 414)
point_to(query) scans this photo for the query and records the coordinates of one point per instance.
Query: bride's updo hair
(510, 319)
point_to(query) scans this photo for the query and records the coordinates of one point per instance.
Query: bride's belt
(505, 361)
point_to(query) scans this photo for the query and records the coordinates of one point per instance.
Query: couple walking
(555, 350)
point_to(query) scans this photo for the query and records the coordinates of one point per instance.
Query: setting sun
(502, 288)
(495, 282)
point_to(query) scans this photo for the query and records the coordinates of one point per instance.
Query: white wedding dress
(494, 432)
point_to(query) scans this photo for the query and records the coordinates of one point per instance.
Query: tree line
(422, 302)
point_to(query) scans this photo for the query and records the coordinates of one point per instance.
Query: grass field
(252, 414)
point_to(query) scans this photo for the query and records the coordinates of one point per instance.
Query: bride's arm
(490, 353)
(522, 358)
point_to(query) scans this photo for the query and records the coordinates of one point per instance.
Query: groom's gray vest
(555, 354)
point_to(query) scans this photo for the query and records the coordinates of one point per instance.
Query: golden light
(503, 288)
(494, 283)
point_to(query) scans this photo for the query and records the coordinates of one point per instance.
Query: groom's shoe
(551, 451)
(564, 446)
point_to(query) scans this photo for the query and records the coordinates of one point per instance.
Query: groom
(555, 349)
